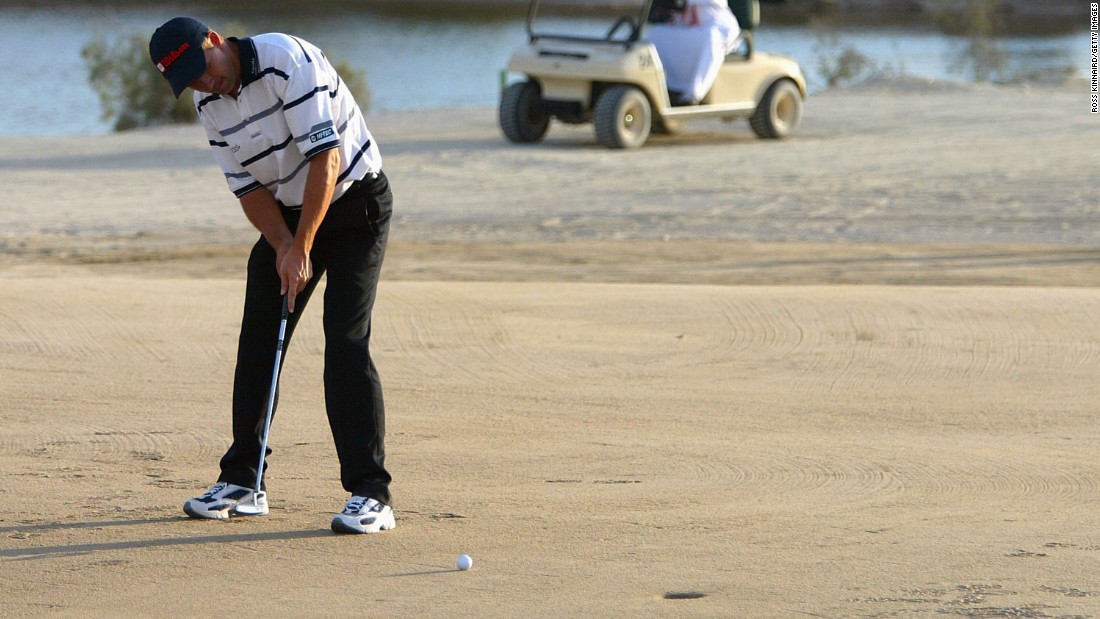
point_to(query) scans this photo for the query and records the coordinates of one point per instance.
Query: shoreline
(1018, 16)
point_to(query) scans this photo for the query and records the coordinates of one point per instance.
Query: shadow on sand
(68, 550)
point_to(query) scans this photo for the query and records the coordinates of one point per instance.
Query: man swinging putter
(296, 151)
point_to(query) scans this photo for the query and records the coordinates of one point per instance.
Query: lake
(417, 62)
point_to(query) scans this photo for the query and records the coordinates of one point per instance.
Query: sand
(850, 374)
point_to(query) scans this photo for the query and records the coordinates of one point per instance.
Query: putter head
(256, 507)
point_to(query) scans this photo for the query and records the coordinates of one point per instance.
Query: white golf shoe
(364, 515)
(223, 500)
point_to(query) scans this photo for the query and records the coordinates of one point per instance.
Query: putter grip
(286, 306)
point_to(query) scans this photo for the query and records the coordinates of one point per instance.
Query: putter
(257, 494)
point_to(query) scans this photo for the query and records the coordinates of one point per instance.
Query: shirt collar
(250, 62)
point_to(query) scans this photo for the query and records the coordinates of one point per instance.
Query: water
(418, 63)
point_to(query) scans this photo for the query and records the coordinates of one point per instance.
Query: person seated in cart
(692, 38)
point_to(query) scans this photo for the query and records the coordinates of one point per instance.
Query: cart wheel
(779, 111)
(520, 116)
(623, 117)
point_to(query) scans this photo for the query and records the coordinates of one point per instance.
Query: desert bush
(356, 82)
(131, 90)
(133, 93)
(840, 64)
(980, 22)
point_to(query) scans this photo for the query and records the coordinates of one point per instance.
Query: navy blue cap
(176, 50)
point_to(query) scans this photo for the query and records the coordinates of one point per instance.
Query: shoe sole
(340, 526)
(205, 514)
(222, 514)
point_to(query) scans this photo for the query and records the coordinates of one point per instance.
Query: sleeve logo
(320, 135)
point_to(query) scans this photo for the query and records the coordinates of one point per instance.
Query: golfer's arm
(320, 184)
(262, 210)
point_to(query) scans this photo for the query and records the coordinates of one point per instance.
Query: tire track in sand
(938, 473)
(87, 441)
(448, 335)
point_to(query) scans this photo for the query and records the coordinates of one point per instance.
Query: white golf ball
(464, 562)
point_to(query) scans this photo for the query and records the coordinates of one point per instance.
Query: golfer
(296, 152)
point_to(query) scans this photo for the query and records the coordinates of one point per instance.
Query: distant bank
(1017, 16)
(1062, 8)
(1015, 13)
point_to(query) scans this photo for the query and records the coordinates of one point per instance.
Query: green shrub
(134, 94)
(981, 23)
(131, 90)
(356, 82)
(840, 64)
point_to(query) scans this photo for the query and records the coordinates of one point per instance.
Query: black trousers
(349, 248)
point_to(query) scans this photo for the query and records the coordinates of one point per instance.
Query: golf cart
(613, 78)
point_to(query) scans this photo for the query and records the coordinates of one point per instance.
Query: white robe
(694, 45)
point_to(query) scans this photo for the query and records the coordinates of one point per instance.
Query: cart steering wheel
(619, 23)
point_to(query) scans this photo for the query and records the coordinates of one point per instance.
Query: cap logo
(165, 62)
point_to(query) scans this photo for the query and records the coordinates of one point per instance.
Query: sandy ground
(851, 374)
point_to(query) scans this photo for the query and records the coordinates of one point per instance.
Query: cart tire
(779, 111)
(521, 120)
(623, 117)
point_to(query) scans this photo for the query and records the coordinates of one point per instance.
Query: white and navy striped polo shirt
(291, 106)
